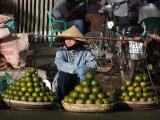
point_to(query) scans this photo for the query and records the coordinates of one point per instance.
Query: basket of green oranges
(29, 92)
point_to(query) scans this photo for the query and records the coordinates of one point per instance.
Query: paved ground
(63, 115)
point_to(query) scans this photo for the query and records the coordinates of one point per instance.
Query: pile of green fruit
(139, 89)
(88, 91)
(30, 88)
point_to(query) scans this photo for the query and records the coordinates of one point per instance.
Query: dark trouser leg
(66, 83)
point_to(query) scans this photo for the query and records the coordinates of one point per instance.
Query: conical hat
(72, 32)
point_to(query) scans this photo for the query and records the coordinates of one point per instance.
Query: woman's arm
(62, 64)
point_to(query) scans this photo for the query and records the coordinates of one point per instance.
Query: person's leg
(65, 83)
(78, 23)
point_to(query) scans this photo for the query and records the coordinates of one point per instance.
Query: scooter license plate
(135, 47)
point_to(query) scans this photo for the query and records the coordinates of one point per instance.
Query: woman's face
(70, 42)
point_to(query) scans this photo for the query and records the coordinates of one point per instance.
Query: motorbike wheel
(128, 67)
(104, 59)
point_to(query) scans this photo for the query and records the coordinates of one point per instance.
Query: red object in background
(136, 37)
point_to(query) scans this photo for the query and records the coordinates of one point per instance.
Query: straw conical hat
(73, 32)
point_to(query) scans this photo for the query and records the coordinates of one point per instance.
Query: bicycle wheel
(98, 48)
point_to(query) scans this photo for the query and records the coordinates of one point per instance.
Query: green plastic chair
(56, 27)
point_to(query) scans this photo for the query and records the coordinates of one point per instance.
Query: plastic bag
(12, 48)
(4, 32)
(5, 80)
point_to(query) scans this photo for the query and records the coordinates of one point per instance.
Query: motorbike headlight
(110, 24)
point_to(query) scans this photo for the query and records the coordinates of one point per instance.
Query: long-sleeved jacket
(76, 61)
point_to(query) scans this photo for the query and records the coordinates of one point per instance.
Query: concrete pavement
(64, 115)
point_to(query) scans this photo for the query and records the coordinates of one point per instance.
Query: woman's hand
(81, 71)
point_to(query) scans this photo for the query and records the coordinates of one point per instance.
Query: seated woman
(73, 60)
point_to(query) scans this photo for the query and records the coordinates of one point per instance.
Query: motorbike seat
(128, 30)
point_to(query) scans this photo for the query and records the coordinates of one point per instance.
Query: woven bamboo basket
(21, 105)
(138, 105)
(88, 107)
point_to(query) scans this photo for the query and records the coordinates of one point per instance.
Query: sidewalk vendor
(73, 60)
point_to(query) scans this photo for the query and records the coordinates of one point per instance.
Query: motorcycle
(120, 47)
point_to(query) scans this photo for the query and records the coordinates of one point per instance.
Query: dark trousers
(66, 83)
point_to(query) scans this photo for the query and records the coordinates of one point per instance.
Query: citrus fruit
(27, 94)
(37, 89)
(28, 79)
(106, 101)
(92, 96)
(78, 88)
(89, 101)
(145, 94)
(131, 93)
(15, 92)
(35, 79)
(71, 100)
(52, 98)
(16, 98)
(41, 94)
(127, 98)
(29, 84)
(143, 84)
(74, 94)
(137, 89)
(83, 96)
(124, 94)
(39, 99)
(138, 78)
(24, 89)
(35, 94)
(20, 93)
(145, 77)
(101, 95)
(134, 99)
(86, 90)
(128, 83)
(89, 76)
(30, 89)
(143, 99)
(130, 88)
(136, 84)
(150, 99)
(66, 99)
(32, 70)
(22, 84)
(123, 88)
(17, 88)
(99, 101)
(24, 98)
(27, 74)
(79, 101)
(94, 83)
(95, 90)
(31, 99)
(46, 99)
(84, 83)
(138, 94)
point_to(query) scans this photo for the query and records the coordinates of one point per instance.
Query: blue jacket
(76, 61)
